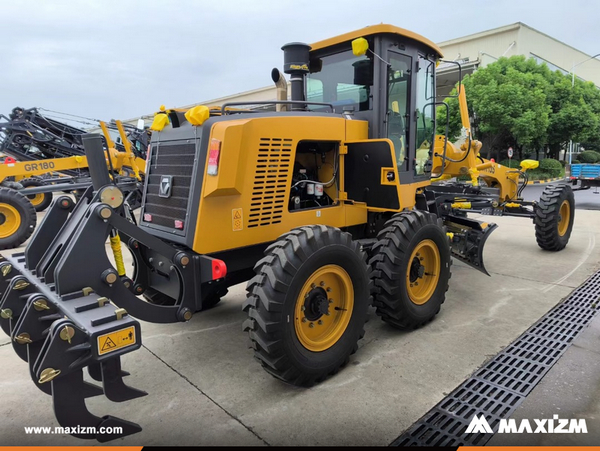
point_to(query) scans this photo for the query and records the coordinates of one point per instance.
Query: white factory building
(472, 51)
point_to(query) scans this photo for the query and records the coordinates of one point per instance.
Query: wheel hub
(316, 304)
(417, 270)
(2, 219)
(324, 308)
(423, 272)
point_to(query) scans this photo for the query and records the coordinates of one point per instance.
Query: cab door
(410, 115)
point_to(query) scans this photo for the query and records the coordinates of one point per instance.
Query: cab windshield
(343, 80)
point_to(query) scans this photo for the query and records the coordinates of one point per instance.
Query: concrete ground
(205, 388)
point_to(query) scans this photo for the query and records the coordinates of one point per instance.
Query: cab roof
(376, 29)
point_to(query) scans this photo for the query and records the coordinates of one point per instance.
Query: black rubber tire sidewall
(27, 214)
(546, 228)
(426, 311)
(47, 196)
(332, 358)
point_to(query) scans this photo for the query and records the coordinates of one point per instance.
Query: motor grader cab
(324, 205)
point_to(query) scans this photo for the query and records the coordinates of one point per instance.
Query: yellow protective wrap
(159, 122)
(529, 164)
(462, 205)
(115, 244)
(360, 46)
(197, 115)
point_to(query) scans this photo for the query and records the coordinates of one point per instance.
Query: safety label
(237, 219)
(116, 340)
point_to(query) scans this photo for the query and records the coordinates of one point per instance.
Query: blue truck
(587, 175)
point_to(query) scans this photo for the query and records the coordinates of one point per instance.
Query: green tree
(520, 103)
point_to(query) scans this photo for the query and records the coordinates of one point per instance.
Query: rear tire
(17, 218)
(307, 304)
(39, 201)
(411, 262)
(554, 215)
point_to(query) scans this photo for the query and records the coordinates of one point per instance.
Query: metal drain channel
(497, 388)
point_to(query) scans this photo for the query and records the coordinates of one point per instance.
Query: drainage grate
(497, 389)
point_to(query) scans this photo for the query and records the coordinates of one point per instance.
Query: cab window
(341, 79)
(397, 106)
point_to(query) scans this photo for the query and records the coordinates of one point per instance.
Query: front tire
(411, 262)
(554, 215)
(40, 201)
(17, 218)
(307, 304)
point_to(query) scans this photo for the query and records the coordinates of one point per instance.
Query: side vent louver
(270, 181)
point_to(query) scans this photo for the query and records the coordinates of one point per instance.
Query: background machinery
(43, 156)
(325, 206)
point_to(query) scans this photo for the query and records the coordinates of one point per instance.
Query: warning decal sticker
(116, 340)
(237, 219)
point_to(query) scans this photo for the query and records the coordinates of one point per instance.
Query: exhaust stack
(282, 91)
(296, 64)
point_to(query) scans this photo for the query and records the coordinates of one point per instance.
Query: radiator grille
(273, 168)
(177, 160)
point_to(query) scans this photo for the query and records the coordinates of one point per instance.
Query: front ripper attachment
(467, 239)
(60, 336)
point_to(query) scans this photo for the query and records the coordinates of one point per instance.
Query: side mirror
(141, 124)
(360, 46)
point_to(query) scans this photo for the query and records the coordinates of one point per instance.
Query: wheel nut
(313, 286)
(331, 301)
(311, 325)
(303, 320)
(416, 283)
(320, 322)
(328, 289)
(322, 283)
(303, 308)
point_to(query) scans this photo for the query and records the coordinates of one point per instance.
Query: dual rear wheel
(308, 303)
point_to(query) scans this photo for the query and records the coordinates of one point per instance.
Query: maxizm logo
(479, 425)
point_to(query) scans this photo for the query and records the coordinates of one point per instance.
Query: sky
(118, 59)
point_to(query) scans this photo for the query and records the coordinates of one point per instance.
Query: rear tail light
(147, 217)
(213, 157)
(219, 269)
(178, 224)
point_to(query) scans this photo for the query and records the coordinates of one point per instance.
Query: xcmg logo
(479, 425)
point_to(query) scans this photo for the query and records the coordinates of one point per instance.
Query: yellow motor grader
(324, 203)
(24, 192)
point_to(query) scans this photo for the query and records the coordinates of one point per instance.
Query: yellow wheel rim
(324, 308)
(10, 220)
(423, 272)
(36, 199)
(564, 217)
